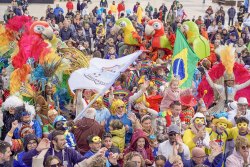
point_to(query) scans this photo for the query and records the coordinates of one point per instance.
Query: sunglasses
(120, 107)
(244, 147)
(56, 165)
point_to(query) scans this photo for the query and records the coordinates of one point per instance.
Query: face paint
(242, 125)
(199, 121)
(222, 125)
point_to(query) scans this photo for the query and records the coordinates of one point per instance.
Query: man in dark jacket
(66, 33)
(164, 10)
(231, 14)
(85, 127)
(67, 155)
(18, 11)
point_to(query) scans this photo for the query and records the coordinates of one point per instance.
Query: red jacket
(70, 6)
(120, 7)
(139, 133)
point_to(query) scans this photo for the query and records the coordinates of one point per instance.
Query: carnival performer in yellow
(198, 134)
(222, 132)
(241, 129)
(139, 13)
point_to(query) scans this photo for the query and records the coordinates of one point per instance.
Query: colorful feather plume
(76, 57)
(227, 55)
(18, 78)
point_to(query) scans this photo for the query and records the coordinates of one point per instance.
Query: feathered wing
(30, 46)
(19, 78)
(19, 23)
(241, 76)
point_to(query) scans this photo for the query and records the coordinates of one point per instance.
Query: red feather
(18, 22)
(241, 76)
(30, 46)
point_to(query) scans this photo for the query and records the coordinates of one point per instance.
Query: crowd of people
(146, 118)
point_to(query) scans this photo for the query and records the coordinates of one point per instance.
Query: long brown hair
(49, 159)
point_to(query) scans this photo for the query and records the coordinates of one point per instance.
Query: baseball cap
(174, 128)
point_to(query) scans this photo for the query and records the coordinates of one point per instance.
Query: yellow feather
(227, 55)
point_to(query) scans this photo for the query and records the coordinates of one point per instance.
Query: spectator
(66, 33)
(240, 156)
(86, 126)
(51, 15)
(18, 11)
(57, 10)
(65, 154)
(174, 138)
(231, 14)
(78, 6)
(164, 10)
(121, 8)
(113, 8)
(70, 5)
(59, 18)
(209, 11)
(5, 153)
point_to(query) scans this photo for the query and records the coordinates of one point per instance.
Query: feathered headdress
(227, 55)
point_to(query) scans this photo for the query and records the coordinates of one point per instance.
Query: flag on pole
(101, 73)
(184, 61)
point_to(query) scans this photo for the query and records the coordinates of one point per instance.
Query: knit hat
(59, 118)
(27, 139)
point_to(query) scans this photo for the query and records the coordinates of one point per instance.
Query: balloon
(200, 44)
(201, 47)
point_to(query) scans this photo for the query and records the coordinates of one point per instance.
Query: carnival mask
(222, 125)
(242, 125)
(199, 121)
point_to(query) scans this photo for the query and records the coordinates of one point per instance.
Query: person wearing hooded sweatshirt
(140, 143)
(85, 127)
(60, 123)
(30, 142)
(118, 131)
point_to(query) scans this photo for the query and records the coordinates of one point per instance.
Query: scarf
(143, 152)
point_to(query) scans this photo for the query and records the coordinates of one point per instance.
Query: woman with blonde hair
(240, 156)
(102, 113)
(134, 157)
(119, 111)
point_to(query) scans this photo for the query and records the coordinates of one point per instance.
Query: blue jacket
(66, 34)
(72, 156)
(57, 10)
(88, 154)
(124, 119)
(18, 161)
(35, 125)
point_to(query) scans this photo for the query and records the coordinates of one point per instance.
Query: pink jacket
(170, 96)
(235, 160)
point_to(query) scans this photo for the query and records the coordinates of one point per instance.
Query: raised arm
(243, 85)
(79, 103)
